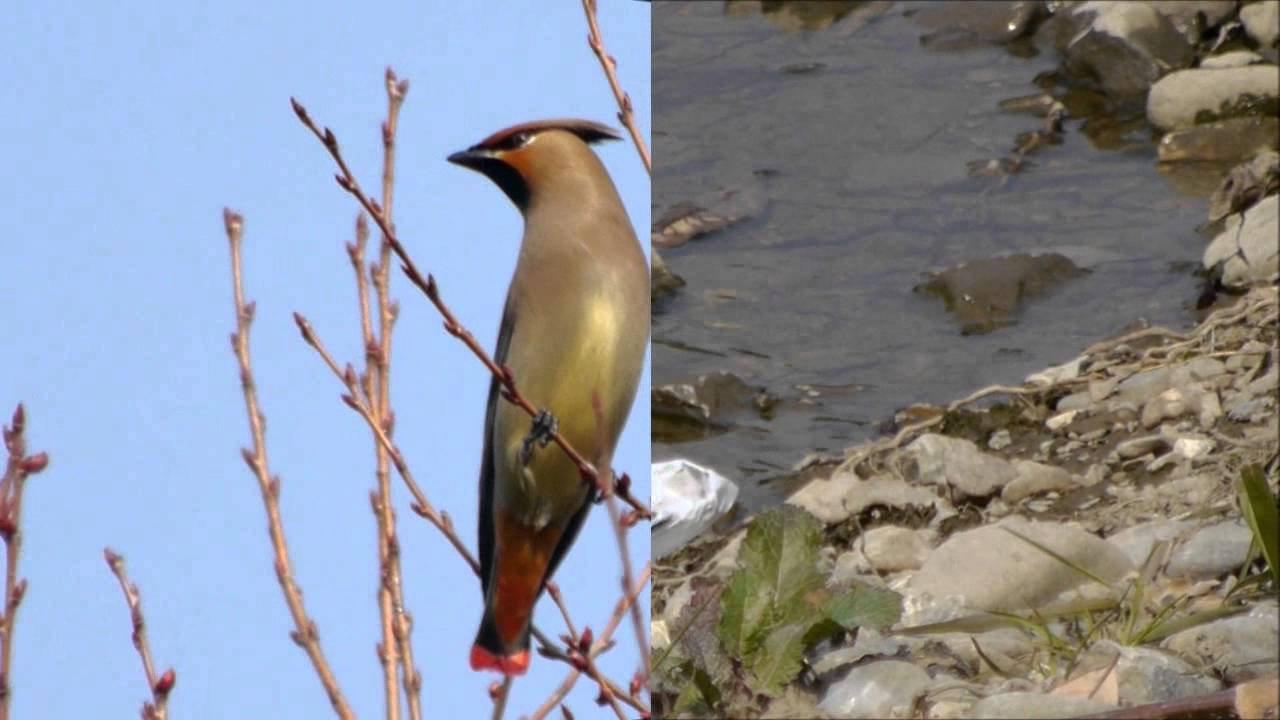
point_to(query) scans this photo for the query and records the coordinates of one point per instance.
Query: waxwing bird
(574, 333)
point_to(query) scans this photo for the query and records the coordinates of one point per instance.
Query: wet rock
(1125, 47)
(959, 465)
(1193, 17)
(1246, 250)
(1246, 184)
(685, 222)
(1032, 705)
(714, 399)
(662, 282)
(1185, 98)
(876, 690)
(1211, 552)
(1236, 58)
(984, 294)
(988, 568)
(1262, 22)
(1228, 140)
(1033, 478)
(958, 25)
(1240, 648)
(835, 499)
(1136, 542)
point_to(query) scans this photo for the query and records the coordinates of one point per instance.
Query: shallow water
(855, 174)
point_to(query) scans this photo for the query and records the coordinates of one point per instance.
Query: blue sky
(128, 127)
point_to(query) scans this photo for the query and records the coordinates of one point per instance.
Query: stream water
(848, 146)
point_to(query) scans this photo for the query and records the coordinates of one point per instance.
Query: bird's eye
(520, 139)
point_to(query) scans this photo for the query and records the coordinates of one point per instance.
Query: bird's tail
(490, 653)
(523, 559)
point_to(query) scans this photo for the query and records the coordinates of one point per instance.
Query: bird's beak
(472, 158)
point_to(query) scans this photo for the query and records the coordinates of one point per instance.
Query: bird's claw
(543, 429)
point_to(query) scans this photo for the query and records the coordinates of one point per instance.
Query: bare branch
(158, 707)
(610, 66)
(19, 467)
(305, 633)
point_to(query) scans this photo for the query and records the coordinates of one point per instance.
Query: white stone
(1176, 98)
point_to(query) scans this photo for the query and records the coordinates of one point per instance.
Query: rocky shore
(1077, 544)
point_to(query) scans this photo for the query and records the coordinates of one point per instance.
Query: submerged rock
(984, 294)
(1221, 141)
(714, 399)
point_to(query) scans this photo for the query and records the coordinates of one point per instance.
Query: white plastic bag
(687, 499)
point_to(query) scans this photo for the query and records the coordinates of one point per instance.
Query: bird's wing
(486, 463)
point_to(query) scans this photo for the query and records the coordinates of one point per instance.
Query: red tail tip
(516, 664)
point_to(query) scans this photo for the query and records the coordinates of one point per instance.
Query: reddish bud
(564, 710)
(33, 464)
(605, 697)
(584, 641)
(495, 690)
(166, 682)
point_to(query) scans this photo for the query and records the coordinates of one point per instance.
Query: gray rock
(876, 690)
(1075, 401)
(1236, 58)
(1136, 542)
(1246, 249)
(1178, 97)
(1141, 387)
(1032, 705)
(869, 644)
(1211, 552)
(1247, 409)
(1262, 22)
(1246, 184)
(1146, 675)
(959, 465)
(834, 499)
(1139, 446)
(1167, 405)
(1241, 648)
(1185, 14)
(1033, 478)
(891, 549)
(988, 568)
(1127, 46)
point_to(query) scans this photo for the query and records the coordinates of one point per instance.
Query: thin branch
(610, 66)
(158, 707)
(19, 467)
(601, 644)
(305, 632)
(421, 505)
(346, 180)
(500, 692)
